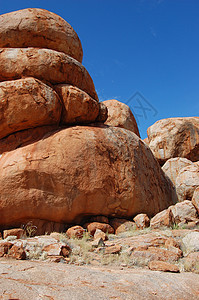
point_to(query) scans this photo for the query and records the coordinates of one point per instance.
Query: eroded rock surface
(33, 27)
(175, 137)
(81, 171)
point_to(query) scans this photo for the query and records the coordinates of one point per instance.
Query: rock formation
(53, 173)
(175, 137)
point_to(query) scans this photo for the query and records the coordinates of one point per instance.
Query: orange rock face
(46, 65)
(81, 171)
(33, 27)
(187, 181)
(27, 103)
(79, 107)
(173, 166)
(120, 115)
(25, 137)
(173, 137)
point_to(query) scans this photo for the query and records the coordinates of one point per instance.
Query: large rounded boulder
(175, 137)
(45, 64)
(120, 115)
(33, 27)
(81, 171)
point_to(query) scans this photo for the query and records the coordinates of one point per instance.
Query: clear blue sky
(145, 46)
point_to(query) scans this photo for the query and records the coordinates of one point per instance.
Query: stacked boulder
(59, 163)
(175, 144)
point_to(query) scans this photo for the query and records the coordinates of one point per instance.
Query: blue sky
(145, 47)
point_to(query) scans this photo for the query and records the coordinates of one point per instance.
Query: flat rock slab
(40, 280)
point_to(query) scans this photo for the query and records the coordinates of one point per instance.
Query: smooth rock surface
(120, 115)
(45, 64)
(62, 178)
(34, 27)
(175, 137)
(33, 280)
(173, 166)
(78, 106)
(187, 181)
(27, 103)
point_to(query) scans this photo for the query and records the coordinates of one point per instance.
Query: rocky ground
(135, 264)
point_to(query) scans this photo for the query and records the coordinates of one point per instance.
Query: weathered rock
(195, 199)
(57, 249)
(120, 115)
(171, 242)
(154, 253)
(33, 27)
(18, 232)
(164, 218)
(92, 227)
(163, 266)
(99, 234)
(46, 65)
(27, 103)
(191, 242)
(115, 249)
(187, 181)
(142, 221)
(4, 247)
(126, 226)
(75, 232)
(183, 211)
(175, 137)
(173, 166)
(103, 113)
(79, 107)
(122, 225)
(17, 252)
(34, 280)
(62, 178)
(25, 137)
(191, 262)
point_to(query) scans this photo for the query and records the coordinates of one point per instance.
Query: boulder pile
(59, 162)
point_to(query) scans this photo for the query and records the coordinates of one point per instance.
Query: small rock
(183, 211)
(164, 218)
(92, 227)
(75, 232)
(163, 266)
(58, 249)
(113, 249)
(98, 243)
(99, 234)
(17, 252)
(4, 247)
(142, 221)
(191, 242)
(126, 226)
(18, 232)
